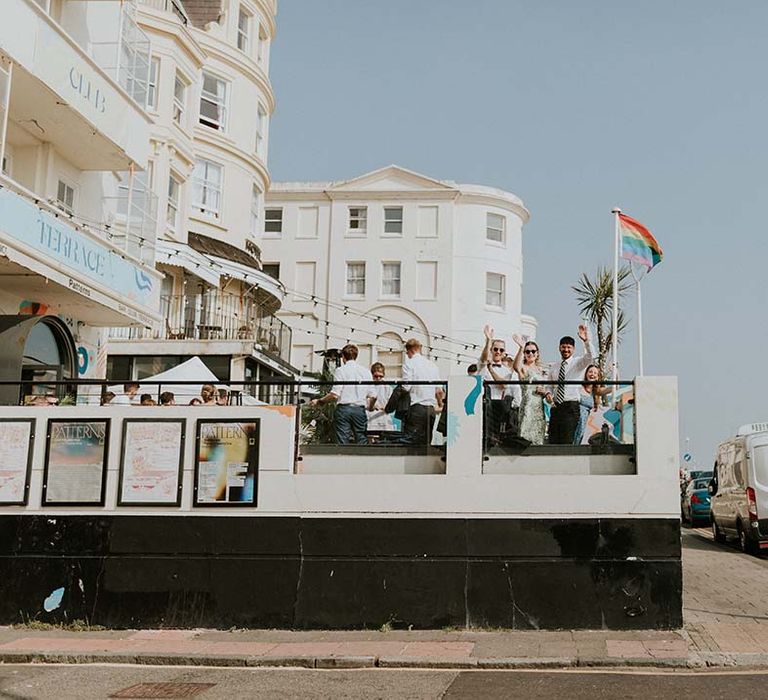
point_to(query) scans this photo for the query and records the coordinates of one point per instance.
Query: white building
(210, 100)
(393, 254)
(77, 245)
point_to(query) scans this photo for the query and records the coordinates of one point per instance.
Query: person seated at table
(167, 398)
(107, 397)
(208, 395)
(128, 397)
(147, 400)
(196, 402)
(223, 398)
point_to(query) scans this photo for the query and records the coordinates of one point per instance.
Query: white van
(739, 488)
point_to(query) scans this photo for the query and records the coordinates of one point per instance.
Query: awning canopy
(269, 292)
(182, 255)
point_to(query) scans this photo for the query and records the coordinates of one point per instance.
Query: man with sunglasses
(502, 401)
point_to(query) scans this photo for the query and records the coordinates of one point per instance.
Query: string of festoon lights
(80, 222)
(395, 325)
(394, 347)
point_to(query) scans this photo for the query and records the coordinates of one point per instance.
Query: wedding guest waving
(565, 412)
(591, 393)
(491, 369)
(527, 364)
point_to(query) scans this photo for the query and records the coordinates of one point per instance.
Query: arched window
(392, 359)
(49, 355)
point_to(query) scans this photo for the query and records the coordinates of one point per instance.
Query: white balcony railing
(173, 6)
(135, 234)
(127, 59)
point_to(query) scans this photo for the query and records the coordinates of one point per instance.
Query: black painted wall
(203, 571)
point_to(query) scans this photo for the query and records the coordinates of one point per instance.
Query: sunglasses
(530, 352)
(498, 349)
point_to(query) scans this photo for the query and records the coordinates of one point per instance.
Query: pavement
(725, 626)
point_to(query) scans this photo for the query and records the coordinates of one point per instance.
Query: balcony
(173, 6)
(126, 57)
(86, 102)
(133, 221)
(74, 264)
(215, 316)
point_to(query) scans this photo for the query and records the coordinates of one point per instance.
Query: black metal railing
(215, 315)
(517, 415)
(318, 421)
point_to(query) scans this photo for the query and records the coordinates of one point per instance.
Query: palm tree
(595, 299)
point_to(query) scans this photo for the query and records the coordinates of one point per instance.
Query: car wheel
(745, 544)
(716, 534)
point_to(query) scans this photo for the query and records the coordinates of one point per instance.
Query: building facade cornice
(159, 22)
(219, 49)
(268, 10)
(206, 137)
(497, 200)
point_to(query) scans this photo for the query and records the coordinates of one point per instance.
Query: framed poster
(75, 462)
(17, 436)
(151, 463)
(226, 463)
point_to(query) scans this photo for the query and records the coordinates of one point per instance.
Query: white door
(758, 468)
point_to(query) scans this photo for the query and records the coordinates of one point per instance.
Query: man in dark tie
(564, 398)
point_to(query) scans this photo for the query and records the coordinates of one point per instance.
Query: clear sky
(658, 107)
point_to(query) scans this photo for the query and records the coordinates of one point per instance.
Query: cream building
(210, 101)
(393, 254)
(77, 247)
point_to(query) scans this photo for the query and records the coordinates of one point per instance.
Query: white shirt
(574, 371)
(351, 371)
(121, 400)
(419, 369)
(499, 391)
(377, 419)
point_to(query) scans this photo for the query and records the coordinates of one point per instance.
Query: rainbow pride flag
(638, 243)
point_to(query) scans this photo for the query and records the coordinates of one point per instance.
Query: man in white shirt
(349, 420)
(503, 401)
(564, 417)
(417, 428)
(128, 397)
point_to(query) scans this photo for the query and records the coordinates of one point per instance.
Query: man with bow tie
(502, 400)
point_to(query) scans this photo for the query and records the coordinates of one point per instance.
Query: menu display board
(226, 463)
(75, 462)
(152, 462)
(16, 438)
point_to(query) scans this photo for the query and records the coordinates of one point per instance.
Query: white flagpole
(640, 327)
(615, 329)
(639, 320)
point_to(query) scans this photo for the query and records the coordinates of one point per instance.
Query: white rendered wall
(460, 253)
(462, 491)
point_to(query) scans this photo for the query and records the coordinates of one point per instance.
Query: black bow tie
(496, 365)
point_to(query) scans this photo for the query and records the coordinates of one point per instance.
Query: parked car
(739, 489)
(696, 500)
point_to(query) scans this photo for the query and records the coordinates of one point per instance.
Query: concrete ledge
(428, 662)
(346, 662)
(283, 661)
(528, 662)
(699, 660)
